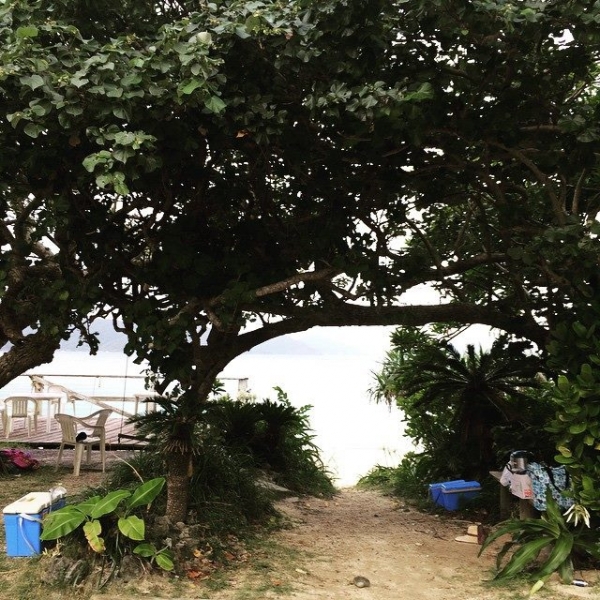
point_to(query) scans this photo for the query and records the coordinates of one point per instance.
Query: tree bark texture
(177, 486)
(26, 354)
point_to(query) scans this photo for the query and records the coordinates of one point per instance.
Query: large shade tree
(221, 173)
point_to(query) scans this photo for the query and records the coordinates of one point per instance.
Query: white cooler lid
(32, 503)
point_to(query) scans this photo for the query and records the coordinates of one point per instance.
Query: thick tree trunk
(31, 351)
(178, 478)
(179, 459)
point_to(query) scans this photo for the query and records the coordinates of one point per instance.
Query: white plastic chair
(19, 407)
(93, 426)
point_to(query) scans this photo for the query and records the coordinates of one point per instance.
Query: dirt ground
(90, 475)
(396, 552)
(402, 553)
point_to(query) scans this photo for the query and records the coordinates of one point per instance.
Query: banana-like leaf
(147, 550)
(87, 505)
(61, 522)
(561, 551)
(132, 527)
(523, 557)
(92, 531)
(146, 493)
(108, 503)
(93, 528)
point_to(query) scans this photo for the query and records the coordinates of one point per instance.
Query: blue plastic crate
(453, 493)
(435, 490)
(23, 522)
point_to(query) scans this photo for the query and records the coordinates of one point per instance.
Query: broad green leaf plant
(577, 398)
(553, 534)
(96, 515)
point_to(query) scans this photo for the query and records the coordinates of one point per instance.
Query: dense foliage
(191, 198)
(576, 426)
(277, 439)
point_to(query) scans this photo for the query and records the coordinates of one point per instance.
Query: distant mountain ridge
(317, 341)
(114, 341)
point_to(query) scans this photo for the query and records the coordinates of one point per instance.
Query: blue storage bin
(453, 493)
(23, 521)
(435, 490)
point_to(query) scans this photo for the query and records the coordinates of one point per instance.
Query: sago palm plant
(171, 430)
(452, 402)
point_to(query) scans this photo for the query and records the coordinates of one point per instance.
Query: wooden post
(506, 500)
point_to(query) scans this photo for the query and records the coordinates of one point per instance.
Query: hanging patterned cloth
(544, 477)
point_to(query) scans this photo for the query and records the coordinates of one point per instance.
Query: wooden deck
(115, 426)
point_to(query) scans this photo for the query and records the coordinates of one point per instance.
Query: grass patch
(270, 570)
(264, 568)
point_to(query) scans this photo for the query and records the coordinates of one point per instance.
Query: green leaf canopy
(291, 164)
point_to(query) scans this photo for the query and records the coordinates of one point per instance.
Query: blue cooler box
(435, 490)
(23, 521)
(455, 492)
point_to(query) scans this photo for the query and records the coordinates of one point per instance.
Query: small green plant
(97, 515)
(552, 534)
(404, 480)
(575, 354)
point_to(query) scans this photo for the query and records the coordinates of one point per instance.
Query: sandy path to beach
(403, 553)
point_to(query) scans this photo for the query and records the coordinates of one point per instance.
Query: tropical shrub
(553, 537)
(109, 523)
(410, 481)
(234, 445)
(275, 437)
(271, 435)
(457, 406)
(223, 493)
(405, 480)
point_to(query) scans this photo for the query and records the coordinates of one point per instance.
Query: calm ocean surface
(353, 433)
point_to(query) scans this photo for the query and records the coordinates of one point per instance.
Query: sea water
(354, 433)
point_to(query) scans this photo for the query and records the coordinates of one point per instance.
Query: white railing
(117, 403)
